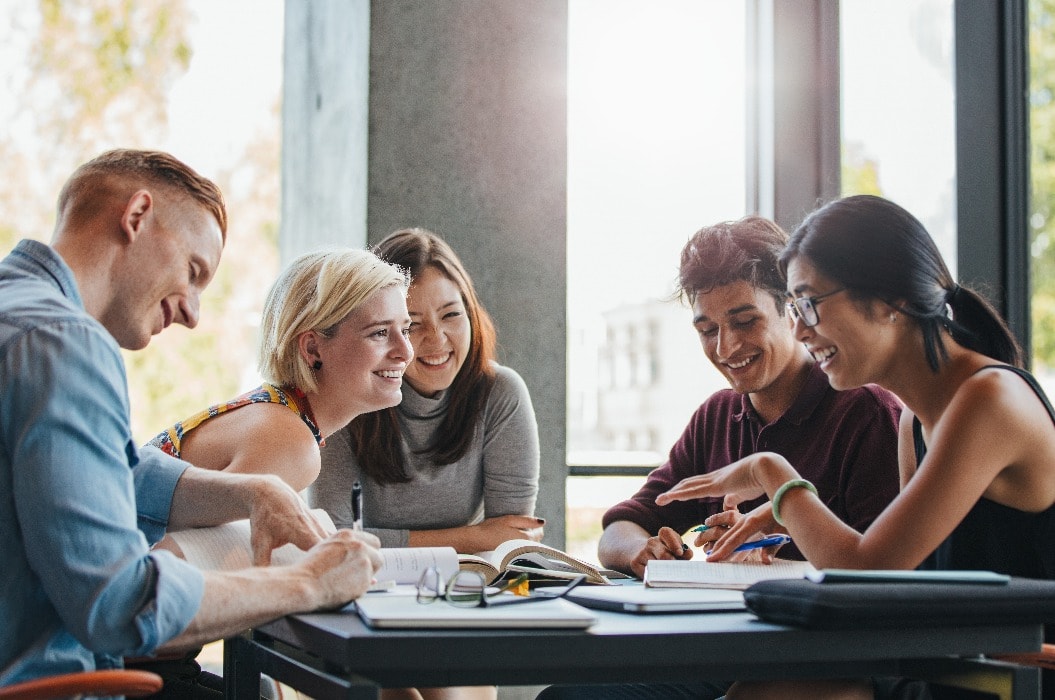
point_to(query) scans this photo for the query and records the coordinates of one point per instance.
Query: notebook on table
(396, 611)
(633, 598)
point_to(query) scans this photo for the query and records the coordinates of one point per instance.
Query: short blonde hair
(315, 293)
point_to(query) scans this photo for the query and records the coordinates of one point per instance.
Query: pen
(357, 506)
(705, 528)
(771, 541)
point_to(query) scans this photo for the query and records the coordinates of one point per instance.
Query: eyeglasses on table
(469, 589)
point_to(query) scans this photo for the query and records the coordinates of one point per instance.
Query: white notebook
(397, 611)
(677, 573)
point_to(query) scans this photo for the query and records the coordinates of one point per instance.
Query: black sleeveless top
(995, 537)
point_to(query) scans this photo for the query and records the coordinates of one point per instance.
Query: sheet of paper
(227, 548)
(405, 564)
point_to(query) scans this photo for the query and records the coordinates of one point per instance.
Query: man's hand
(665, 545)
(343, 566)
(278, 516)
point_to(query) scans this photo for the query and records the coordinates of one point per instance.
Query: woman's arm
(510, 448)
(980, 433)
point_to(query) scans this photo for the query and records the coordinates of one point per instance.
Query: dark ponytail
(976, 325)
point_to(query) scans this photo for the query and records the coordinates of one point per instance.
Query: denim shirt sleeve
(155, 475)
(75, 474)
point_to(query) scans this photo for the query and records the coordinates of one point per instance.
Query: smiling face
(747, 339)
(173, 258)
(439, 330)
(364, 360)
(854, 342)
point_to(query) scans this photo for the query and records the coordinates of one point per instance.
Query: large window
(898, 109)
(656, 120)
(656, 150)
(1042, 204)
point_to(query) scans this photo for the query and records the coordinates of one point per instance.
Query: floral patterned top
(169, 440)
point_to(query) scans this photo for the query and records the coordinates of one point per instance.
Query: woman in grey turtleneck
(456, 463)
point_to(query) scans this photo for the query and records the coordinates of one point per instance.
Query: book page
(227, 548)
(480, 564)
(405, 564)
(676, 573)
(537, 558)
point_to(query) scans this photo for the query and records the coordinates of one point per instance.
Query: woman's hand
(736, 483)
(491, 532)
(730, 529)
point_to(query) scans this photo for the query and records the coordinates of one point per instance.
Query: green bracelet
(784, 488)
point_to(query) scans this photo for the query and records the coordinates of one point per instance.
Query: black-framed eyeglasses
(468, 589)
(805, 308)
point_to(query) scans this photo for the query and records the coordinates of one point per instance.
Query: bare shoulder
(1011, 418)
(260, 438)
(1001, 391)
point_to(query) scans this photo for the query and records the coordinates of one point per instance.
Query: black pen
(357, 506)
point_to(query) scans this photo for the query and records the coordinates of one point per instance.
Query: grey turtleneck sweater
(498, 475)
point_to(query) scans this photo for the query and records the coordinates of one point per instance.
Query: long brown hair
(376, 436)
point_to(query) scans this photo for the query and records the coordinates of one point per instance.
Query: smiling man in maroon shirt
(778, 400)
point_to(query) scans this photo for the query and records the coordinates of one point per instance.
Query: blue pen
(771, 541)
(357, 506)
(701, 528)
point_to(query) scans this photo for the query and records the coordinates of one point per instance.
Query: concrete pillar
(324, 125)
(467, 137)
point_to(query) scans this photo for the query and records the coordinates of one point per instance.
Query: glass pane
(899, 110)
(656, 115)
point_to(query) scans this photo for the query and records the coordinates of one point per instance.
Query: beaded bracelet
(784, 488)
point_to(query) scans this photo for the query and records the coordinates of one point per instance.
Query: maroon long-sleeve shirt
(845, 442)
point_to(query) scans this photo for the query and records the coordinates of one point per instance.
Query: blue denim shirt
(79, 504)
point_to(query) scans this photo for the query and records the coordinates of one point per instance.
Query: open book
(678, 573)
(539, 560)
(227, 548)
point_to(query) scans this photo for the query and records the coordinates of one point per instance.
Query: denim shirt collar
(34, 257)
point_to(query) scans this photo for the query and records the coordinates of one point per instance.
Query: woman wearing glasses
(874, 302)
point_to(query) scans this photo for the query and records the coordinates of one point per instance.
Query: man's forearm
(204, 497)
(620, 543)
(334, 572)
(227, 608)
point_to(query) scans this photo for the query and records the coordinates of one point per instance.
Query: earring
(893, 318)
(317, 366)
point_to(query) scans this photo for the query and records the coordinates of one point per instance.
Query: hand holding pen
(666, 544)
(671, 541)
(738, 536)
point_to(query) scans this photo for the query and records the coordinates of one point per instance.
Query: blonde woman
(333, 346)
